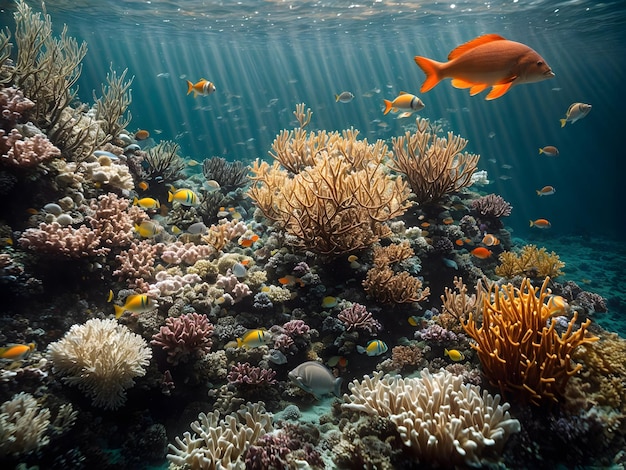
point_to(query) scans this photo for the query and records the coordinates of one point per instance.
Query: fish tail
(538, 194)
(135, 201)
(563, 122)
(432, 70)
(119, 310)
(336, 98)
(388, 105)
(170, 196)
(531, 223)
(189, 87)
(360, 349)
(540, 151)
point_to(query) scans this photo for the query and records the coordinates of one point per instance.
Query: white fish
(575, 112)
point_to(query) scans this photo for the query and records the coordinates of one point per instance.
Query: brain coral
(102, 358)
(442, 421)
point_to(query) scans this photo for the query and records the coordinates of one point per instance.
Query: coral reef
(440, 420)
(519, 348)
(23, 425)
(491, 206)
(531, 262)
(229, 175)
(101, 358)
(184, 336)
(434, 166)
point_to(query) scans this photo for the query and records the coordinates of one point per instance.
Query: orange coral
(518, 346)
(532, 262)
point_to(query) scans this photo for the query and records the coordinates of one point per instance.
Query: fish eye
(539, 63)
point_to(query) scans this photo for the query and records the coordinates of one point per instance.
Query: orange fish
(546, 191)
(490, 240)
(448, 221)
(16, 351)
(143, 185)
(247, 242)
(404, 101)
(459, 242)
(550, 151)
(481, 252)
(487, 61)
(202, 87)
(142, 134)
(540, 223)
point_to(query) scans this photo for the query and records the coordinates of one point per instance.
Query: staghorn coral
(356, 317)
(387, 286)
(441, 421)
(458, 303)
(340, 202)
(220, 443)
(434, 166)
(491, 205)
(184, 336)
(101, 358)
(531, 262)
(245, 374)
(163, 164)
(111, 107)
(24, 425)
(519, 348)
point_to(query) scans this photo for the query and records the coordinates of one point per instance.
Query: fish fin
(189, 86)
(119, 310)
(540, 151)
(446, 352)
(563, 122)
(498, 90)
(403, 93)
(336, 98)
(432, 69)
(474, 90)
(387, 106)
(170, 196)
(479, 41)
(135, 201)
(459, 83)
(361, 349)
(531, 223)
(337, 387)
(538, 192)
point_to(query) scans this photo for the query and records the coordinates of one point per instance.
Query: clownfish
(202, 87)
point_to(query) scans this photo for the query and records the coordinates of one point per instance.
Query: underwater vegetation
(154, 315)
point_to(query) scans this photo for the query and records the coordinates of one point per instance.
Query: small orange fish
(459, 242)
(546, 191)
(202, 87)
(549, 150)
(247, 242)
(142, 134)
(404, 101)
(490, 240)
(481, 252)
(16, 351)
(143, 185)
(448, 221)
(487, 61)
(540, 223)
(425, 224)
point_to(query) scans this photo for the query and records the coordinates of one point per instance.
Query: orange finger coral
(518, 346)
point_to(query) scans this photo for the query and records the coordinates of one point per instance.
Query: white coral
(102, 358)
(23, 425)
(441, 420)
(220, 443)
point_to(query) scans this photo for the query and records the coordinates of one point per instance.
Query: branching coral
(531, 262)
(101, 358)
(441, 421)
(388, 286)
(164, 163)
(492, 205)
(220, 443)
(24, 425)
(184, 336)
(229, 175)
(518, 346)
(340, 202)
(433, 165)
(111, 107)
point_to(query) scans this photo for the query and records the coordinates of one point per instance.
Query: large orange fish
(487, 61)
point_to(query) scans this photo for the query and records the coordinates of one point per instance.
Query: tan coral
(442, 421)
(531, 262)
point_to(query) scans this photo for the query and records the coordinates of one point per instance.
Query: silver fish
(314, 378)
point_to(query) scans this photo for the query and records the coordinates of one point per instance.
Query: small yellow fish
(16, 352)
(454, 354)
(254, 339)
(185, 196)
(148, 229)
(110, 296)
(414, 320)
(329, 302)
(193, 162)
(147, 203)
(375, 347)
(137, 303)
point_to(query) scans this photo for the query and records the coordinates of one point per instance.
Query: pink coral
(137, 263)
(296, 328)
(356, 317)
(237, 290)
(26, 152)
(13, 105)
(184, 336)
(188, 253)
(247, 374)
(492, 205)
(114, 219)
(68, 241)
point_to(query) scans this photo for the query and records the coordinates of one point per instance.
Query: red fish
(487, 61)
(540, 223)
(481, 252)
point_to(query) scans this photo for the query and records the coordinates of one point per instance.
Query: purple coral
(183, 336)
(13, 105)
(356, 317)
(247, 374)
(295, 328)
(437, 334)
(492, 205)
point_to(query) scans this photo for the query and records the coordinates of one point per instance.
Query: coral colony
(255, 291)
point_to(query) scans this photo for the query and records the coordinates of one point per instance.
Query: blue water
(264, 57)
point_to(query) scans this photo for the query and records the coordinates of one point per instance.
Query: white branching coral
(100, 357)
(220, 443)
(442, 421)
(23, 425)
